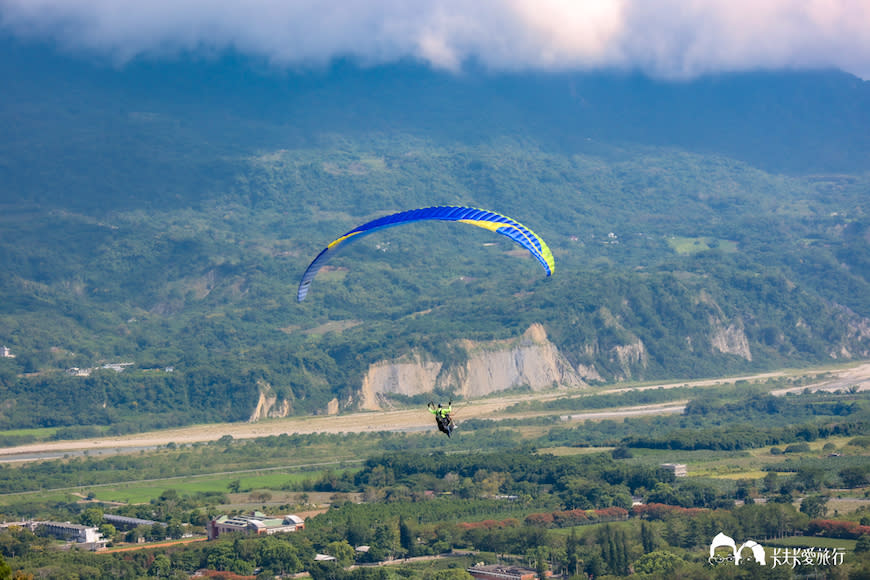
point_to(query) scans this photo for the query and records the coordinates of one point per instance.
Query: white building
(117, 367)
(678, 469)
(89, 536)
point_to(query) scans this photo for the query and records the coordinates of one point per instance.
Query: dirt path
(857, 377)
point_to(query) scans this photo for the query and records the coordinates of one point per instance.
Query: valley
(853, 376)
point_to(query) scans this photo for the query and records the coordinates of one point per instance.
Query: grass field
(734, 465)
(41, 497)
(41, 434)
(247, 483)
(683, 245)
(568, 451)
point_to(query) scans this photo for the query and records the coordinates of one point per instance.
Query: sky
(671, 39)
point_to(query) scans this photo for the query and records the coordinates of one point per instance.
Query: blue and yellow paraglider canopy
(477, 217)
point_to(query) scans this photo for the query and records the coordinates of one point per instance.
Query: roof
(113, 518)
(261, 522)
(502, 572)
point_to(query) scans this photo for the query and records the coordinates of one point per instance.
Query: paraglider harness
(442, 417)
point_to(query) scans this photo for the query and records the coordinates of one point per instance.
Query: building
(8, 525)
(678, 469)
(117, 367)
(89, 537)
(502, 572)
(254, 524)
(5, 352)
(127, 523)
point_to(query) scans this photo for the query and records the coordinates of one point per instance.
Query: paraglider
(481, 218)
(442, 417)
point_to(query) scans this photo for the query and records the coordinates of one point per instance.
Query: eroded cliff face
(409, 376)
(268, 405)
(531, 360)
(730, 339)
(726, 336)
(629, 356)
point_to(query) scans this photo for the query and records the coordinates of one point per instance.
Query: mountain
(161, 214)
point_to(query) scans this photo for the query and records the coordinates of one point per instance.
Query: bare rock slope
(528, 361)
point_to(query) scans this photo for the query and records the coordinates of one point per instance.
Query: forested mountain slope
(162, 215)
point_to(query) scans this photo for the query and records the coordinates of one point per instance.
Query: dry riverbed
(853, 377)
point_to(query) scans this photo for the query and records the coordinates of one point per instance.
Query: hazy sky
(666, 38)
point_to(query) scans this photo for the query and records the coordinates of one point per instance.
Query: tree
(161, 566)
(175, 530)
(16, 542)
(647, 537)
(854, 476)
(222, 557)
(815, 506)
(540, 562)
(406, 536)
(278, 556)
(621, 453)
(261, 496)
(658, 563)
(810, 478)
(451, 575)
(108, 531)
(595, 565)
(91, 517)
(156, 532)
(614, 549)
(666, 494)
(5, 570)
(745, 488)
(342, 552)
(137, 533)
(386, 538)
(770, 482)
(573, 561)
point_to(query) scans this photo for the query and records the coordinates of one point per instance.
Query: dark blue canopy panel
(477, 217)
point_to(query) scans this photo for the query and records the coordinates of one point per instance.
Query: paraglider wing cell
(477, 217)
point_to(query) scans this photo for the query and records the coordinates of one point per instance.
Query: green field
(682, 245)
(249, 482)
(40, 434)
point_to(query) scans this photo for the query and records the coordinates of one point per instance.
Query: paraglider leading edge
(481, 218)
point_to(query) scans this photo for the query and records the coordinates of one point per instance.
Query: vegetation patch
(688, 246)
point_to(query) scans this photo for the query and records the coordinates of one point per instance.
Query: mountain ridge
(168, 224)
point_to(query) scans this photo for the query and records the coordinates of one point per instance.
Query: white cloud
(670, 38)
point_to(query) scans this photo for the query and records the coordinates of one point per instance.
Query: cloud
(664, 38)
